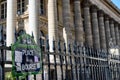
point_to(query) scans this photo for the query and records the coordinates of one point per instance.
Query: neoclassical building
(90, 23)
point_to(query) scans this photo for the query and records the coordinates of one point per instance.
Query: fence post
(61, 59)
(2, 54)
(69, 50)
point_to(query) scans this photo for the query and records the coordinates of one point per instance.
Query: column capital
(100, 13)
(107, 17)
(93, 8)
(116, 24)
(86, 3)
(111, 21)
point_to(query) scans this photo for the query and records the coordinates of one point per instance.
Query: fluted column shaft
(102, 30)
(107, 31)
(117, 35)
(95, 29)
(66, 19)
(11, 21)
(112, 31)
(78, 22)
(52, 22)
(33, 19)
(87, 25)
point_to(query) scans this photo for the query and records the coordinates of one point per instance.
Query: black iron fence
(73, 62)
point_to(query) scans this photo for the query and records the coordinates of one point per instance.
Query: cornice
(107, 8)
(112, 6)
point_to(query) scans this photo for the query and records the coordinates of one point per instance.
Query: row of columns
(98, 29)
(11, 20)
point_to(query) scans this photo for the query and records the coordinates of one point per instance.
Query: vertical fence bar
(79, 62)
(84, 64)
(48, 57)
(71, 64)
(2, 54)
(42, 58)
(75, 59)
(55, 64)
(66, 64)
(61, 59)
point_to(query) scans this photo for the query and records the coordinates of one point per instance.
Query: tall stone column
(117, 35)
(95, 28)
(112, 31)
(87, 24)
(107, 31)
(102, 30)
(66, 19)
(78, 27)
(52, 22)
(11, 21)
(33, 19)
(78, 22)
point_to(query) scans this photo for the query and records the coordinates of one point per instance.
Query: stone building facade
(88, 22)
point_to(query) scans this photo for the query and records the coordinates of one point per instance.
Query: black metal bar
(27, 77)
(66, 64)
(17, 78)
(2, 54)
(61, 60)
(55, 64)
(42, 58)
(80, 62)
(34, 77)
(75, 59)
(48, 57)
(69, 47)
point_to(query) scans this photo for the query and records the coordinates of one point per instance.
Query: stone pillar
(33, 19)
(112, 31)
(66, 19)
(102, 30)
(117, 35)
(87, 24)
(107, 31)
(52, 22)
(11, 21)
(95, 29)
(78, 22)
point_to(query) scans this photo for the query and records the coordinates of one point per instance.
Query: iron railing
(75, 62)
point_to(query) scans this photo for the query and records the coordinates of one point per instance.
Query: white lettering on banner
(27, 67)
(28, 52)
